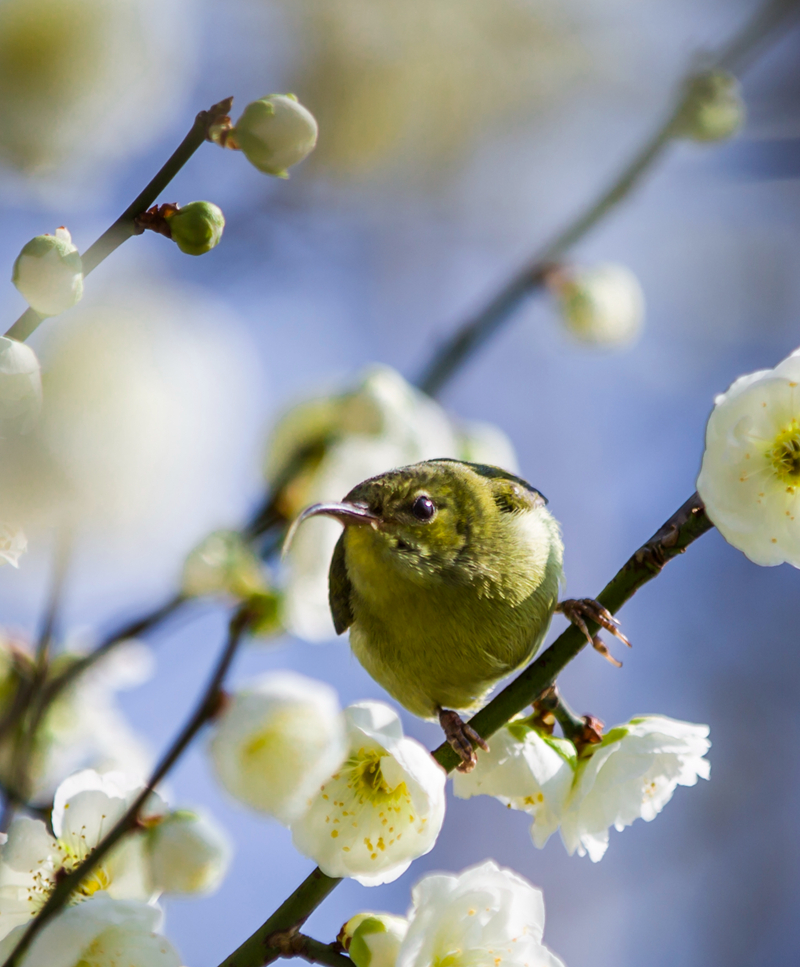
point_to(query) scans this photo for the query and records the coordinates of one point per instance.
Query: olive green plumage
(447, 580)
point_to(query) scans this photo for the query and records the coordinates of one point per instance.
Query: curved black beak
(345, 513)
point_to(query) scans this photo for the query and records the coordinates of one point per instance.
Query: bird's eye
(423, 508)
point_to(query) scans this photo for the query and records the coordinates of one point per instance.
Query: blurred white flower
(20, 387)
(275, 133)
(89, 81)
(326, 446)
(86, 807)
(13, 544)
(485, 915)
(601, 304)
(187, 853)
(278, 739)
(631, 774)
(102, 933)
(526, 770)
(49, 274)
(196, 228)
(714, 109)
(223, 563)
(373, 939)
(750, 477)
(381, 810)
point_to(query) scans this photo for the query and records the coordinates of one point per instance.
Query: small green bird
(447, 575)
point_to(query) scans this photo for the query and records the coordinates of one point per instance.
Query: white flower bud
(197, 227)
(275, 133)
(373, 939)
(187, 853)
(277, 741)
(381, 810)
(13, 544)
(49, 274)
(20, 386)
(601, 304)
(750, 476)
(713, 109)
(222, 563)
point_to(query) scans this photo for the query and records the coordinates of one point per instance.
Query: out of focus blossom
(750, 477)
(13, 544)
(713, 109)
(223, 563)
(276, 741)
(49, 274)
(187, 853)
(20, 387)
(601, 304)
(525, 769)
(321, 449)
(484, 915)
(382, 809)
(275, 133)
(631, 775)
(86, 807)
(196, 228)
(373, 939)
(88, 81)
(105, 932)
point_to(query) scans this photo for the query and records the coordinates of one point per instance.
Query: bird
(447, 574)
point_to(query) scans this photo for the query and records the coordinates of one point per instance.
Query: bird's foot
(578, 610)
(462, 738)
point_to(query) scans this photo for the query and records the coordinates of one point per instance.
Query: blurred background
(456, 136)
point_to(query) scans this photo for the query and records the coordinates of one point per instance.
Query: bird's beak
(345, 513)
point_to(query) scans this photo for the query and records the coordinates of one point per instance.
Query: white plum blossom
(275, 133)
(187, 853)
(382, 809)
(86, 807)
(49, 274)
(20, 386)
(601, 304)
(222, 563)
(13, 544)
(486, 915)
(373, 939)
(525, 769)
(750, 477)
(277, 740)
(326, 446)
(631, 774)
(103, 933)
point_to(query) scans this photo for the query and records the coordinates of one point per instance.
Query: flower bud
(601, 304)
(49, 274)
(222, 564)
(20, 386)
(187, 854)
(13, 544)
(275, 133)
(373, 939)
(713, 109)
(197, 227)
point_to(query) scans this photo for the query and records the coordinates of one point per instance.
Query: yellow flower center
(784, 454)
(368, 781)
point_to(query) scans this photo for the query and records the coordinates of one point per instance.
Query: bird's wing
(339, 589)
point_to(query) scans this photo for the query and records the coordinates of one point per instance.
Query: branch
(205, 709)
(465, 341)
(124, 227)
(290, 943)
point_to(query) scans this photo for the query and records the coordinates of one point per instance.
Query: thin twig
(124, 227)
(204, 710)
(290, 943)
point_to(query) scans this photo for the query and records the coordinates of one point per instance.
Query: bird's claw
(462, 738)
(578, 610)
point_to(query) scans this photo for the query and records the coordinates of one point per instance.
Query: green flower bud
(373, 939)
(223, 564)
(275, 133)
(264, 609)
(49, 274)
(601, 304)
(713, 109)
(197, 227)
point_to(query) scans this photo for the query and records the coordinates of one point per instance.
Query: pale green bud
(275, 133)
(20, 386)
(713, 108)
(48, 273)
(187, 854)
(223, 564)
(373, 939)
(197, 227)
(601, 304)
